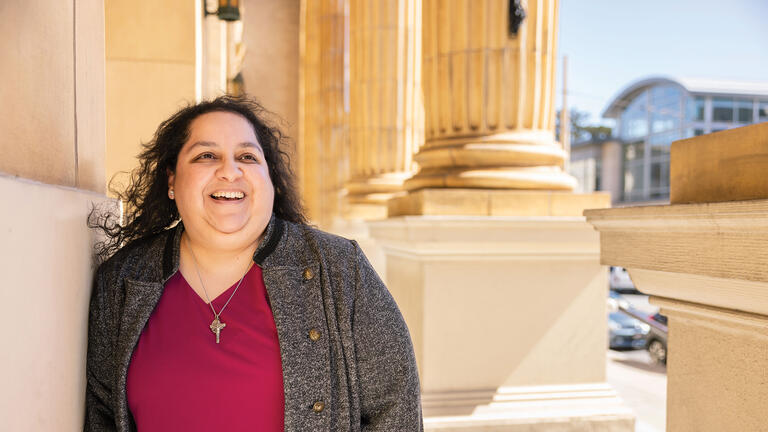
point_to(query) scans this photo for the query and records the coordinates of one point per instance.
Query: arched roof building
(653, 112)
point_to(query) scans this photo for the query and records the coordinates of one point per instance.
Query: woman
(241, 316)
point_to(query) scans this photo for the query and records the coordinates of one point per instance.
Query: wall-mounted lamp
(229, 10)
(516, 17)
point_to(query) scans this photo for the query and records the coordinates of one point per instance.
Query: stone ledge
(719, 240)
(594, 407)
(488, 202)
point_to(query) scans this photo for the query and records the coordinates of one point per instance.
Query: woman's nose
(229, 169)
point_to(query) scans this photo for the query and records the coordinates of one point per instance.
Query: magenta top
(180, 379)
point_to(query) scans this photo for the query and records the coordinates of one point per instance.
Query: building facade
(652, 113)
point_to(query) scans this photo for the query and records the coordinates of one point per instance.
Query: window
(744, 111)
(660, 175)
(661, 122)
(634, 151)
(762, 112)
(634, 120)
(660, 143)
(722, 109)
(695, 110)
(633, 180)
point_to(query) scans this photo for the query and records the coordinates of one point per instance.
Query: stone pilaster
(489, 98)
(386, 110)
(702, 259)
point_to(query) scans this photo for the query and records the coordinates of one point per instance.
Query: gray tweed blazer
(360, 375)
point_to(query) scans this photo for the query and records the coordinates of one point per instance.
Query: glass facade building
(652, 113)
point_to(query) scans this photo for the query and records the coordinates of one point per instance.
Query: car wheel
(658, 351)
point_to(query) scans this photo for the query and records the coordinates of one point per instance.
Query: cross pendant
(216, 327)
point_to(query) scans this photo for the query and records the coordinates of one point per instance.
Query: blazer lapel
(140, 300)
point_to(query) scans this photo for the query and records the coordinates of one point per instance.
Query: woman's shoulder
(324, 241)
(137, 254)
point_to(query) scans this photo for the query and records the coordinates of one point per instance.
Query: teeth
(231, 195)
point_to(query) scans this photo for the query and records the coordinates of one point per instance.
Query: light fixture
(229, 10)
(516, 17)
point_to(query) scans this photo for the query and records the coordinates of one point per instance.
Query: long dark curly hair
(148, 210)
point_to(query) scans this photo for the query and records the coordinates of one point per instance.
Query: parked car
(619, 280)
(616, 301)
(656, 337)
(656, 342)
(625, 332)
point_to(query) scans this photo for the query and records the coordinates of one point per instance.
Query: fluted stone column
(386, 114)
(324, 118)
(507, 313)
(489, 98)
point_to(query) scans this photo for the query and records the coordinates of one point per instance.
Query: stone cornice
(712, 254)
(736, 216)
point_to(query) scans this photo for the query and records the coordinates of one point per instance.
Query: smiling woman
(216, 286)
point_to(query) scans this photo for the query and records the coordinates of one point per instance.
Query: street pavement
(641, 383)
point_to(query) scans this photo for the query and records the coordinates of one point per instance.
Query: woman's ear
(171, 177)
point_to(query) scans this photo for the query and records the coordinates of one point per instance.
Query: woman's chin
(230, 226)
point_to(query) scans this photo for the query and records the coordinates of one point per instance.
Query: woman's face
(221, 183)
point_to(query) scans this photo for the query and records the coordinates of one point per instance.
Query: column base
(522, 159)
(583, 407)
(376, 189)
(539, 178)
(488, 202)
(513, 305)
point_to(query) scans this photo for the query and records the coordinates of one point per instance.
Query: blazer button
(318, 407)
(308, 274)
(314, 334)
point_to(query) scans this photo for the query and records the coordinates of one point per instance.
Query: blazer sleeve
(99, 415)
(390, 398)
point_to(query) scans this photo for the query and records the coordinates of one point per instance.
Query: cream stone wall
(52, 170)
(45, 280)
(271, 67)
(52, 115)
(150, 72)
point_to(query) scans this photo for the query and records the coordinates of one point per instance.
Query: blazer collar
(272, 236)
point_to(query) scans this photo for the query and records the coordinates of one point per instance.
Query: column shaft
(489, 98)
(325, 138)
(386, 108)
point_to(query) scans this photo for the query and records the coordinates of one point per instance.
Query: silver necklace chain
(210, 303)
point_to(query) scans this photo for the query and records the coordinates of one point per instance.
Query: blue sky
(612, 43)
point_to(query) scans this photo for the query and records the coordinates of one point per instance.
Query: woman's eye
(249, 157)
(206, 156)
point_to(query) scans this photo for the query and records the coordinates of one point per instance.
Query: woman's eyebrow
(202, 143)
(249, 144)
(244, 144)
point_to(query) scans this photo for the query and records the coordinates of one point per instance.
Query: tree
(580, 130)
